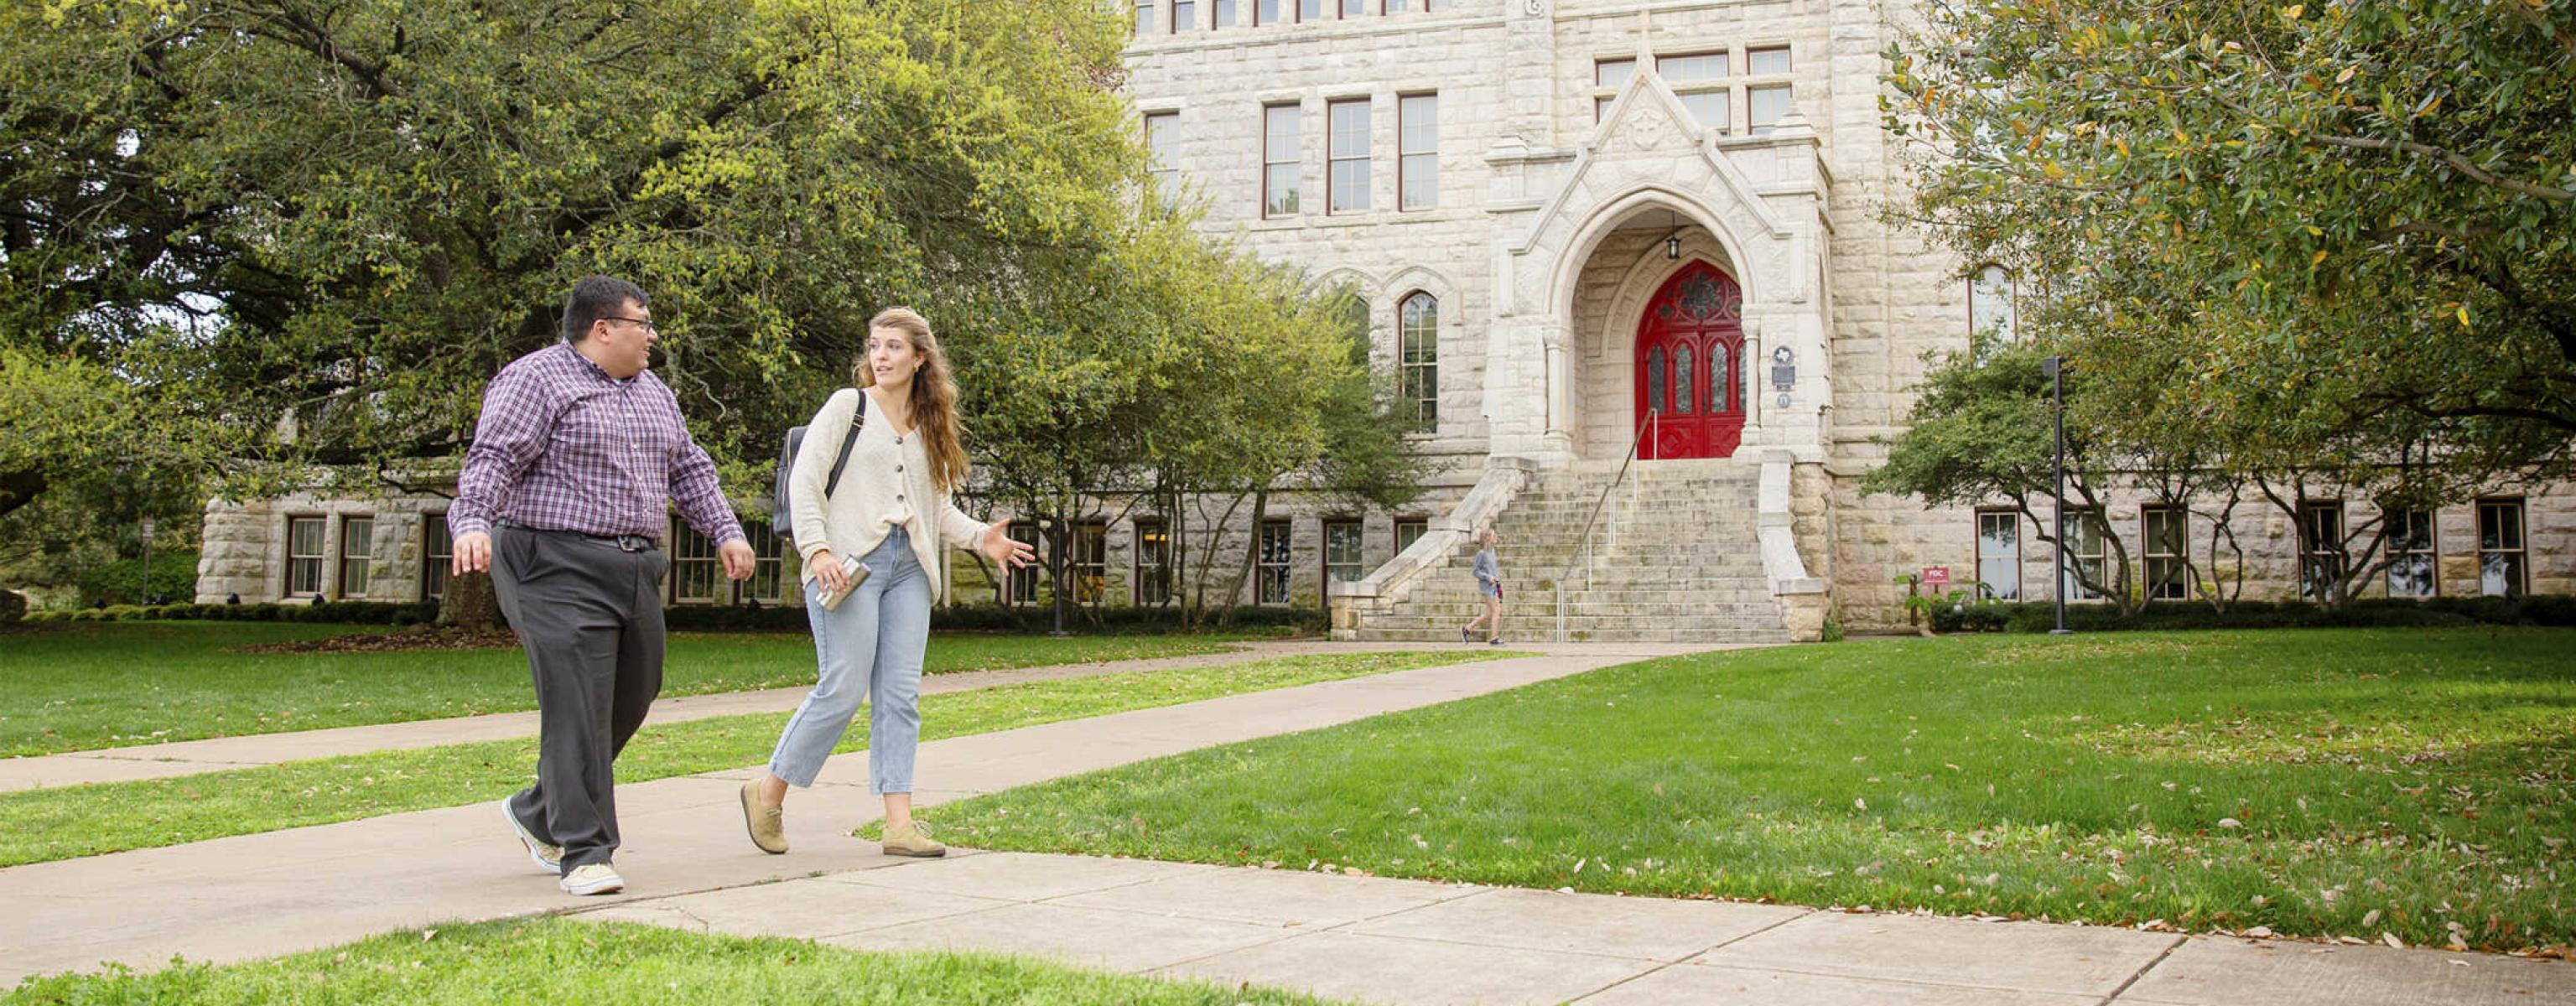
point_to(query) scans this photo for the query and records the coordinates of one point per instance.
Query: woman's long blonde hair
(934, 395)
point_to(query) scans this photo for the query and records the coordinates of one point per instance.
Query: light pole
(2054, 367)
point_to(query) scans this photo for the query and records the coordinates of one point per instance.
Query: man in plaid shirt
(577, 459)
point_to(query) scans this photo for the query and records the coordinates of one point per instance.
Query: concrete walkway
(261, 895)
(221, 754)
(1404, 941)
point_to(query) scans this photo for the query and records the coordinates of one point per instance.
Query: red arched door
(1690, 346)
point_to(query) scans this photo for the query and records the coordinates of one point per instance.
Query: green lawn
(2319, 782)
(113, 684)
(69, 821)
(556, 960)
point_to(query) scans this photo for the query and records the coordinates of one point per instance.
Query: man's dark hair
(596, 297)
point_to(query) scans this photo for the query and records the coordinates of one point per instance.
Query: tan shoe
(768, 825)
(908, 839)
(592, 878)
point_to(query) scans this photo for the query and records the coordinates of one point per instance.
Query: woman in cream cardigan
(893, 507)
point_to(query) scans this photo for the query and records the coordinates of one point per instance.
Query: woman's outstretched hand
(999, 546)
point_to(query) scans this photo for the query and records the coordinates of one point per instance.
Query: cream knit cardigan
(886, 483)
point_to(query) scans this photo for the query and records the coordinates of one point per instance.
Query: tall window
(1144, 17)
(1279, 160)
(1607, 76)
(1265, 12)
(2411, 560)
(1999, 553)
(1417, 164)
(1990, 306)
(304, 555)
(1418, 327)
(1090, 570)
(768, 583)
(1271, 579)
(1354, 8)
(1347, 184)
(1225, 13)
(1021, 584)
(1699, 78)
(2320, 548)
(1766, 104)
(1409, 530)
(1398, 6)
(1342, 551)
(1310, 10)
(1185, 15)
(357, 547)
(695, 575)
(2082, 534)
(2500, 549)
(1162, 135)
(1153, 561)
(2164, 539)
(437, 553)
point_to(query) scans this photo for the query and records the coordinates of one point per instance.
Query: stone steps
(1686, 565)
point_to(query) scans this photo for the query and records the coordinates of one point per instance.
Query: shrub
(13, 606)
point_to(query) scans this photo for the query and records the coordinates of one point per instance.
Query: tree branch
(2457, 162)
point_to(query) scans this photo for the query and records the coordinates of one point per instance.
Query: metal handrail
(1583, 543)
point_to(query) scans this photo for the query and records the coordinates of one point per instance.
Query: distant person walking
(1489, 586)
(893, 509)
(577, 459)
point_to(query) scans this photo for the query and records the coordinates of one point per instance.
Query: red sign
(1936, 576)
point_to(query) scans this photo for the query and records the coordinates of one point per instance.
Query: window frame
(1166, 170)
(318, 560)
(1419, 372)
(2313, 563)
(1419, 526)
(1090, 559)
(1293, 113)
(437, 554)
(1355, 531)
(362, 563)
(1152, 534)
(1720, 86)
(1264, 565)
(1020, 585)
(1335, 157)
(692, 555)
(2520, 586)
(1605, 91)
(2097, 561)
(2175, 584)
(1406, 155)
(1986, 582)
(2430, 555)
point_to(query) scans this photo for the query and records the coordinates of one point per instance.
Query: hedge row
(352, 612)
(1122, 620)
(2041, 616)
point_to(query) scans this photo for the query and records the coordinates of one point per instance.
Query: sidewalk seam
(2142, 972)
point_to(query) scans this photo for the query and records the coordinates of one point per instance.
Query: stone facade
(1569, 168)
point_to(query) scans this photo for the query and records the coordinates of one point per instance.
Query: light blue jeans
(868, 648)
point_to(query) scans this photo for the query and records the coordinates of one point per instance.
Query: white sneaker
(548, 857)
(592, 878)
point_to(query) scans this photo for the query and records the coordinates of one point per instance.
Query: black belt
(624, 542)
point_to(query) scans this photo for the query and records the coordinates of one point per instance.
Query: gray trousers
(589, 613)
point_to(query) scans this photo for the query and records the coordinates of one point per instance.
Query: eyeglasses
(648, 326)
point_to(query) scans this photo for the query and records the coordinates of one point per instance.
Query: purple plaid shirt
(566, 447)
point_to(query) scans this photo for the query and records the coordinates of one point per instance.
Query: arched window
(1990, 305)
(1418, 326)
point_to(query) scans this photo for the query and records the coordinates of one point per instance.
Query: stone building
(1595, 237)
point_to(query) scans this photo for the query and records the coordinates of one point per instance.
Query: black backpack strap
(858, 421)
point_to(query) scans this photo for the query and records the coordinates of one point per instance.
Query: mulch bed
(421, 637)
